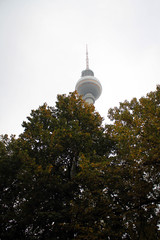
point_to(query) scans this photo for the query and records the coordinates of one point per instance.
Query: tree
(68, 177)
(49, 151)
(136, 130)
(63, 132)
(10, 166)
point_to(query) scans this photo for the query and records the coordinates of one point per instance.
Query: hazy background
(42, 52)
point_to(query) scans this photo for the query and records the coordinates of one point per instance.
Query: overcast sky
(42, 52)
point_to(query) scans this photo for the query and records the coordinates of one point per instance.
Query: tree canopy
(136, 130)
(67, 176)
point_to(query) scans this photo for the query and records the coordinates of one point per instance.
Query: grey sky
(42, 52)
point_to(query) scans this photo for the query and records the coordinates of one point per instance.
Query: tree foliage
(68, 177)
(136, 130)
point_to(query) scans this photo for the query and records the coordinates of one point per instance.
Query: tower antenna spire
(87, 60)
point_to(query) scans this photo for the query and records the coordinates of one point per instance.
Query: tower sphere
(88, 86)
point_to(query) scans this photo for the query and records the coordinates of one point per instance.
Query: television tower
(88, 86)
